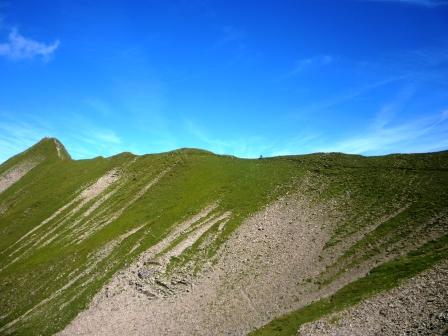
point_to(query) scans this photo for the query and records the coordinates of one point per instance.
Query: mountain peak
(49, 147)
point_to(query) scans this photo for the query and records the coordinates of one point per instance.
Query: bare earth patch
(15, 173)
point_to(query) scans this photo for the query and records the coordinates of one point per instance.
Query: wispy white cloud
(388, 111)
(388, 132)
(18, 47)
(426, 134)
(422, 66)
(383, 134)
(421, 135)
(349, 95)
(422, 3)
(309, 63)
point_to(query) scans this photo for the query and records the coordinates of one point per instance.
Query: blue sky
(235, 77)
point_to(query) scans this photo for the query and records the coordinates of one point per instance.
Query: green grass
(195, 179)
(384, 277)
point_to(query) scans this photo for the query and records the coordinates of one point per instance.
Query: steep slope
(187, 241)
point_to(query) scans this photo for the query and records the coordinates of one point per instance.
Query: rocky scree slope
(417, 307)
(187, 241)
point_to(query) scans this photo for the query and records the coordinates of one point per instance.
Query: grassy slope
(195, 180)
(368, 188)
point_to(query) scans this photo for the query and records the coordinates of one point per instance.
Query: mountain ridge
(192, 150)
(85, 233)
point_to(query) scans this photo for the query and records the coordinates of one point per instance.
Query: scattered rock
(417, 307)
